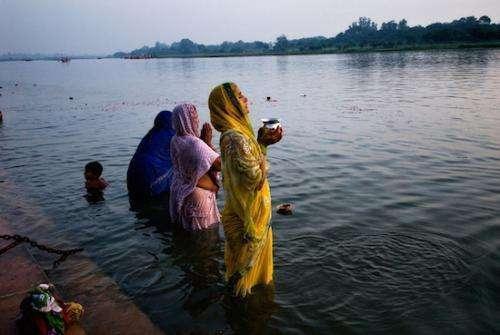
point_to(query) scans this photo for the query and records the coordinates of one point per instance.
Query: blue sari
(150, 170)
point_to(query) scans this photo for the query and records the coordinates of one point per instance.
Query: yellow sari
(247, 211)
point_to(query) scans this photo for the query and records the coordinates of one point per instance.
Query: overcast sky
(106, 26)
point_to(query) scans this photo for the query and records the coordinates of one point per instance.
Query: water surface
(391, 159)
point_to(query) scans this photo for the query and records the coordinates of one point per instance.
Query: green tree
(363, 25)
(184, 47)
(403, 24)
(281, 44)
(389, 26)
(484, 19)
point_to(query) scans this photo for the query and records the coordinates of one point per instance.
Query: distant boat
(64, 59)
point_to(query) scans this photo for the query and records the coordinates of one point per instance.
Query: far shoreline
(425, 47)
(351, 50)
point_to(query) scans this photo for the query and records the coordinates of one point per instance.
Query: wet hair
(95, 167)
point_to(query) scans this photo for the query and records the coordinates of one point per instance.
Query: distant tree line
(361, 35)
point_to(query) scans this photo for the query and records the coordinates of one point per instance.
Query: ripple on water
(376, 279)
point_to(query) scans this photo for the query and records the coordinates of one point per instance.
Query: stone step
(107, 309)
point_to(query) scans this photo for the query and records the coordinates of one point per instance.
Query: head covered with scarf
(186, 121)
(227, 112)
(161, 130)
(163, 120)
(191, 157)
(149, 170)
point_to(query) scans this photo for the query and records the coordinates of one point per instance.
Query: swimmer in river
(94, 183)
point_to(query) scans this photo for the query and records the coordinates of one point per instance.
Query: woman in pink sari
(194, 165)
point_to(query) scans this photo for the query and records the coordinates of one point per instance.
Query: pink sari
(193, 207)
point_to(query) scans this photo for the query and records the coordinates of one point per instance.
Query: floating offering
(285, 209)
(271, 123)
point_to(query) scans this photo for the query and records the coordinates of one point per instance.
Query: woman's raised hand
(206, 134)
(267, 136)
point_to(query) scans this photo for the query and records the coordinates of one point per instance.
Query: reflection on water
(198, 256)
(363, 60)
(94, 197)
(391, 160)
(251, 315)
(282, 63)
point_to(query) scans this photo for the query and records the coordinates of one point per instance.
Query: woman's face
(243, 100)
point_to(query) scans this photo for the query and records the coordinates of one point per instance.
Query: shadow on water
(206, 300)
(151, 208)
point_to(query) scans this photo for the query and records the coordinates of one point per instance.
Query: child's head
(93, 170)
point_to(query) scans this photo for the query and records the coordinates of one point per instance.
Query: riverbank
(347, 50)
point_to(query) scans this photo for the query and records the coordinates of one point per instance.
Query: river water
(392, 161)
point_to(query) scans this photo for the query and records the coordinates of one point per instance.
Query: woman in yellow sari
(247, 210)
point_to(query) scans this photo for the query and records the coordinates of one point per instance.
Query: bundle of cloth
(44, 314)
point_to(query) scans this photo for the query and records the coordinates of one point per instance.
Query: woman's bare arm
(217, 165)
(206, 183)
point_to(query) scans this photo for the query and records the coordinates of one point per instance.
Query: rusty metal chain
(18, 239)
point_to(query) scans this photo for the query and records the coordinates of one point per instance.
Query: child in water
(94, 183)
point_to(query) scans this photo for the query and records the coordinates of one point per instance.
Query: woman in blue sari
(150, 170)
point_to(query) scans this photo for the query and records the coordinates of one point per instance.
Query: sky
(106, 26)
